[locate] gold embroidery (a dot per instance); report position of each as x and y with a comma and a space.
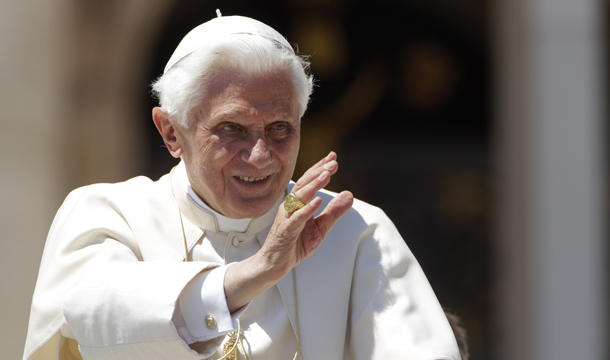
230, 347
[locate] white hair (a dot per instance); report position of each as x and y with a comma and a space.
184, 85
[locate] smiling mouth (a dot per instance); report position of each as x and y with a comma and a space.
251, 179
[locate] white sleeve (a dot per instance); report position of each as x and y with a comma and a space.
95, 295
122, 309
203, 297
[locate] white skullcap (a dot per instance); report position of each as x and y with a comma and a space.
220, 27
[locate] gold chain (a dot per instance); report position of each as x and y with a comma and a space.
230, 348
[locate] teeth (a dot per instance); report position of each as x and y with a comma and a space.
251, 179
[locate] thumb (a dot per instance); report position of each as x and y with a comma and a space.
335, 209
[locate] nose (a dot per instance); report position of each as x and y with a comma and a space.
258, 153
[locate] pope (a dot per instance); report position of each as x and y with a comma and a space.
225, 257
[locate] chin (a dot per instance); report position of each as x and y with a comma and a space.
254, 210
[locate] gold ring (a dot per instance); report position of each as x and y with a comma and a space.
292, 203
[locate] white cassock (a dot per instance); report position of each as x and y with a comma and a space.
113, 284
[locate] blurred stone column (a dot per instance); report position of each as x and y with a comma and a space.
70, 80
33, 64
550, 157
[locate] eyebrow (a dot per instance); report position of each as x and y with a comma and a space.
281, 113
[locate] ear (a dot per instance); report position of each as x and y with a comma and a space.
167, 129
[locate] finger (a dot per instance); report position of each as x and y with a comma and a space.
329, 163
314, 240
298, 218
335, 209
307, 192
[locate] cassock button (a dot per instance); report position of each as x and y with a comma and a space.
235, 241
210, 322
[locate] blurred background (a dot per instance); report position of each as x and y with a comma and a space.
479, 126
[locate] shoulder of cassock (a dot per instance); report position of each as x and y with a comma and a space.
139, 214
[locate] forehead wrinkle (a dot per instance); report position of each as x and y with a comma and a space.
231, 98
276, 109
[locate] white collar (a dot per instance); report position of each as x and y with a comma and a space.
206, 218
225, 224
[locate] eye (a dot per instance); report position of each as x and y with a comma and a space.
230, 127
278, 126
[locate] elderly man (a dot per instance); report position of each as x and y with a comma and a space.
224, 257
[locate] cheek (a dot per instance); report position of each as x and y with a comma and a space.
294, 146
208, 149
218, 159
229, 149
199, 154
288, 152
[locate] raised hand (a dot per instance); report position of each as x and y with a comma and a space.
292, 239
295, 236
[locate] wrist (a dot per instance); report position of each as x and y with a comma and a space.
247, 279
272, 266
